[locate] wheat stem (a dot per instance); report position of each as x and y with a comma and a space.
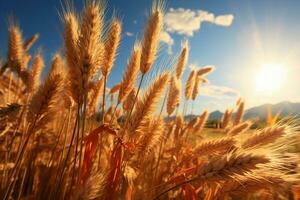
135, 99
103, 100
66, 159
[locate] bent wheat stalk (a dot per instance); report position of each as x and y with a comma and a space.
264, 137
223, 168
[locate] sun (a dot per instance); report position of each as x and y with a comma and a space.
270, 78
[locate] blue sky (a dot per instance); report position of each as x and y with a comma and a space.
238, 37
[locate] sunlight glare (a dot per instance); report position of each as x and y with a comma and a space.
270, 78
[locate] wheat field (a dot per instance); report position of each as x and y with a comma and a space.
67, 136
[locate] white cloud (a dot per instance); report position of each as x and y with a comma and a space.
187, 22
183, 21
129, 34
224, 20
166, 38
219, 91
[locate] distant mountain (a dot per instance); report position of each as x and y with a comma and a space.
260, 112
216, 115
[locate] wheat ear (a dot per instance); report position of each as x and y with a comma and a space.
130, 74
223, 168
36, 70
152, 134
44, 102
239, 113
190, 85
57, 66
89, 42
226, 118
205, 70
206, 148
238, 129
264, 137
71, 34
174, 95
197, 83
111, 46
115, 89
201, 123
151, 40
146, 106
182, 60
28, 44
129, 101
15, 49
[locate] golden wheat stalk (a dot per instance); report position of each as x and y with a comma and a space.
197, 84
224, 168
182, 60
174, 95
111, 45
44, 103
152, 134
198, 127
15, 49
149, 46
71, 34
17, 59
36, 70
205, 70
90, 58
239, 113
238, 129
130, 74
226, 118
190, 85
151, 40
147, 104
264, 137
207, 148
129, 101
89, 42
28, 44
41, 111
57, 65
115, 89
